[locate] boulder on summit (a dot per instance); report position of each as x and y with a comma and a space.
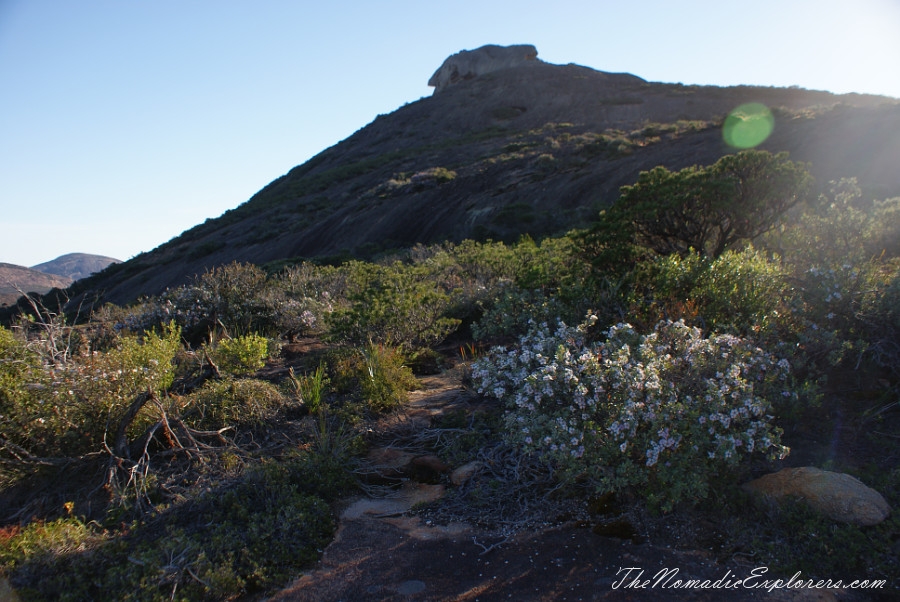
468, 64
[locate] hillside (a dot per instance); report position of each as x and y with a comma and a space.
534, 148
15, 279
75, 266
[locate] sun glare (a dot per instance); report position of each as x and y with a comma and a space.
748, 125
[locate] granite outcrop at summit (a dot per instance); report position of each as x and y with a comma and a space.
468, 64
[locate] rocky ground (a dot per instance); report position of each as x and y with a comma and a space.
396, 542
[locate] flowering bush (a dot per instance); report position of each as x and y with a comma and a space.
302, 316
665, 412
185, 306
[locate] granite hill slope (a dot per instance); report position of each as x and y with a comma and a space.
532, 148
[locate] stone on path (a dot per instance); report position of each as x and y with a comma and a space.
837, 495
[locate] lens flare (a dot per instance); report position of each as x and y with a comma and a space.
748, 125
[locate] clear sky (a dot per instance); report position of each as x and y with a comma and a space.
125, 122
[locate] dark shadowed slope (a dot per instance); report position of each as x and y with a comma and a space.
536, 149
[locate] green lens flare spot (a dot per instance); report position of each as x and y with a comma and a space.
748, 125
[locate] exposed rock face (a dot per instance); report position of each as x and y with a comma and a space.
467, 64
837, 495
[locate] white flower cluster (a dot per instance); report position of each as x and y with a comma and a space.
830, 290
186, 306
667, 402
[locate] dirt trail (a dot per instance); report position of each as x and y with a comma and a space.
384, 552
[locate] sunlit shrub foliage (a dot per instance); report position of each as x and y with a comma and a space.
393, 305
738, 292
67, 409
240, 355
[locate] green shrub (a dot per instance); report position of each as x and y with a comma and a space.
831, 232
878, 320
310, 388
232, 542
66, 409
704, 210
550, 283
39, 543
383, 377
883, 231
220, 403
513, 311
240, 355
19, 367
739, 292
392, 305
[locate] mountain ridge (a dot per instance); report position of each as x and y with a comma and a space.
533, 149
16, 280
75, 266
56, 273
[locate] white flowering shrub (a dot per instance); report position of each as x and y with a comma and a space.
664, 412
186, 306
302, 316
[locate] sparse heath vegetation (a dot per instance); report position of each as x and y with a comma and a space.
703, 325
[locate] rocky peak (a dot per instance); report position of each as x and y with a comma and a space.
468, 64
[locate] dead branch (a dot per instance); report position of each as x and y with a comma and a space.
121, 442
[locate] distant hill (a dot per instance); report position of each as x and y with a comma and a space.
15, 279
503, 151
75, 266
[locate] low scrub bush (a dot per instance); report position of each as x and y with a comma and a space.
664, 413
740, 292
65, 409
230, 401
513, 310
384, 378
234, 298
304, 298
372, 377
392, 305
879, 316
240, 355
238, 540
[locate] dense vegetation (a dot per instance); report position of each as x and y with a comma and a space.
660, 355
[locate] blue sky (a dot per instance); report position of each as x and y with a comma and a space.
125, 122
